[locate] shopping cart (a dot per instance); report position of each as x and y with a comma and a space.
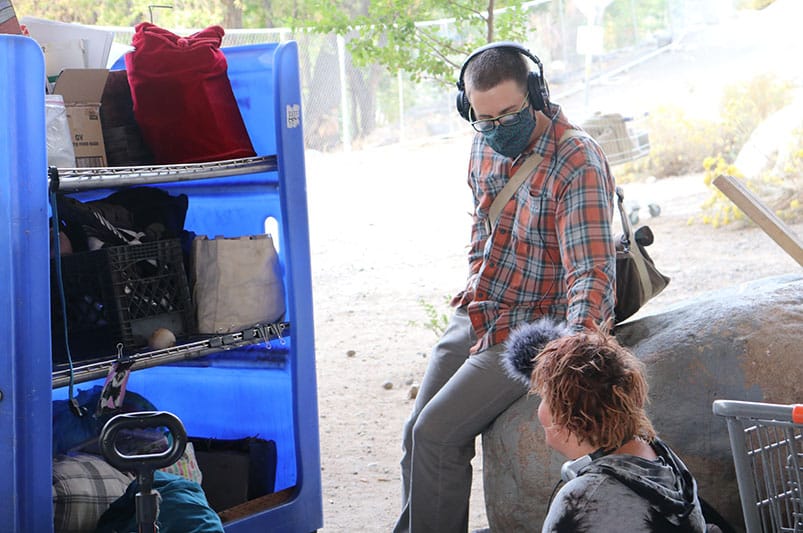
767, 445
623, 139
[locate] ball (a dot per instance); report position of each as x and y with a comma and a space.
162, 338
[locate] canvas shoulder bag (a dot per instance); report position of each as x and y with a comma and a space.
637, 278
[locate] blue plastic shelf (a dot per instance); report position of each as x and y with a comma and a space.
230, 396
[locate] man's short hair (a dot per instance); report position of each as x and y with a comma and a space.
595, 388
495, 65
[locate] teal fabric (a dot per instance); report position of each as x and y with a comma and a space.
183, 508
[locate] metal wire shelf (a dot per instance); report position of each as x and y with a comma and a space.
80, 179
189, 350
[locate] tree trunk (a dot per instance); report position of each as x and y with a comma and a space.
233, 16
490, 21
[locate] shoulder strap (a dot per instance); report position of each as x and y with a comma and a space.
511, 187
524, 171
629, 246
627, 229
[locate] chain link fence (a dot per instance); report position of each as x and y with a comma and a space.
348, 107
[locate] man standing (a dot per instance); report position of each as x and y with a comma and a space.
548, 252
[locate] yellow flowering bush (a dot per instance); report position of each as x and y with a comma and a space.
679, 143
782, 192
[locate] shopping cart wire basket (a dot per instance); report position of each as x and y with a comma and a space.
767, 446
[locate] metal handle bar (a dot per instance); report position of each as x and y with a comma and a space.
762, 411
143, 420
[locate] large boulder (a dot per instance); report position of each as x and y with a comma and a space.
740, 343
772, 144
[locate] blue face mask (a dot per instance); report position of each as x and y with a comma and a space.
511, 140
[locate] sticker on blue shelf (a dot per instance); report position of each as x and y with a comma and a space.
293, 116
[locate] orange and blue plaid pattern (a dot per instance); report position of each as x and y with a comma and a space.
552, 250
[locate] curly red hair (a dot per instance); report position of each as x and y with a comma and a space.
594, 388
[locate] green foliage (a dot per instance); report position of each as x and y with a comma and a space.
183, 14
718, 210
192, 14
679, 142
630, 23
743, 108
745, 105
388, 33
781, 190
437, 318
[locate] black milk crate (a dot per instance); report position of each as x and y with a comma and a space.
120, 294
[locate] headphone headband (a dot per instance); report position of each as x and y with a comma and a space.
536, 85
510, 45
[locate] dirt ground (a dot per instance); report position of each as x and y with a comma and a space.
389, 228
384, 239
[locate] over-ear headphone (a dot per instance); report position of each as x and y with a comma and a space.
536, 85
571, 469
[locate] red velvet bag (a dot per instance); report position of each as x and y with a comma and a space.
183, 102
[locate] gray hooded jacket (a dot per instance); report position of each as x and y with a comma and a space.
628, 493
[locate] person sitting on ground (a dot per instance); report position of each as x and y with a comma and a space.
620, 476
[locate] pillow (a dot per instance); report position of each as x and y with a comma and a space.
186, 466
84, 486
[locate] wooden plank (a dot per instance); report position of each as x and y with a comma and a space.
262, 503
761, 215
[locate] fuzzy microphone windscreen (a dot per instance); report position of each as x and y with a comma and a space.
525, 343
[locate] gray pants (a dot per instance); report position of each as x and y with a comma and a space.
459, 397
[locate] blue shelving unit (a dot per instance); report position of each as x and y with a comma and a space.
236, 393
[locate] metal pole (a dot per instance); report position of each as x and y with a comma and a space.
587, 99
563, 39
344, 100
400, 80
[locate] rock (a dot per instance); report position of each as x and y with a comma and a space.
412, 393
387, 385
351, 353
740, 343
769, 147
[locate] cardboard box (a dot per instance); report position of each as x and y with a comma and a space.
82, 90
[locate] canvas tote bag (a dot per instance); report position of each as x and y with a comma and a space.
237, 282
637, 278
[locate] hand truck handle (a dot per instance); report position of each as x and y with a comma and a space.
143, 420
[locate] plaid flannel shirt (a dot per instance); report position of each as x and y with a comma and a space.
552, 251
